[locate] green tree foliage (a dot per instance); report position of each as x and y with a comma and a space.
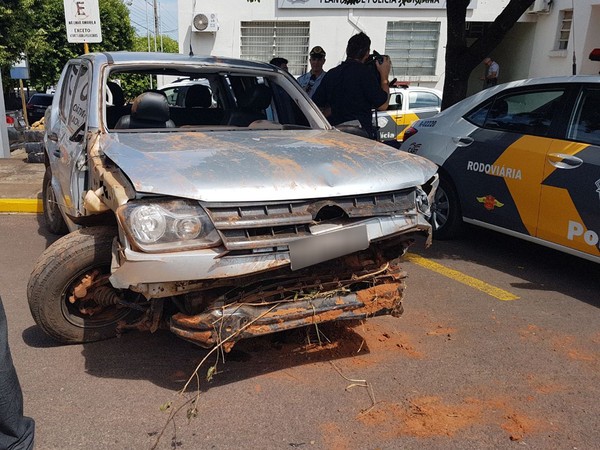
133, 84
14, 19
163, 44
47, 47
14, 29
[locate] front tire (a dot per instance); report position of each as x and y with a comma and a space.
447, 216
60, 269
53, 219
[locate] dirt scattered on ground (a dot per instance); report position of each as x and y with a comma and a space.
532, 331
568, 346
421, 417
431, 416
542, 385
440, 330
377, 343
518, 425
563, 344
333, 437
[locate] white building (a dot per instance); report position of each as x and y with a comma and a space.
543, 42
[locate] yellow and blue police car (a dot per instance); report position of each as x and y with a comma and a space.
407, 104
522, 158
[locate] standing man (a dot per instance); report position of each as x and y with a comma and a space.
16, 431
353, 89
492, 70
282, 63
310, 81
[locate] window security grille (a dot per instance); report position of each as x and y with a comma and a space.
412, 47
565, 29
264, 40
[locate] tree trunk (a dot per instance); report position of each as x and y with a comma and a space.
461, 60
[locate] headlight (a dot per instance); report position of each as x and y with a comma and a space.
425, 194
167, 225
422, 201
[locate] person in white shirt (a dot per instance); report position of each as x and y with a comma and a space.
310, 81
492, 71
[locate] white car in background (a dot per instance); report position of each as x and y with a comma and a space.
407, 104
177, 90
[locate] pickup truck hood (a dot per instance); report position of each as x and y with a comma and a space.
259, 165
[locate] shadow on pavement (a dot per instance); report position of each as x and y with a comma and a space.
541, 268
49, 237
168, 361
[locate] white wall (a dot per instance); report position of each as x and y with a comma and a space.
585, 35
527, 51
329, 28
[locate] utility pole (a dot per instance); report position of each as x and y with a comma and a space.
155, 24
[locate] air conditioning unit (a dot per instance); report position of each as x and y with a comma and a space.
205, 23
540, 7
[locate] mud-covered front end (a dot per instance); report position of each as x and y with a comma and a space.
237, 269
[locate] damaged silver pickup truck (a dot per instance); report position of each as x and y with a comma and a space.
234, 212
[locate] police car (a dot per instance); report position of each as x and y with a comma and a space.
522, 158
407, 104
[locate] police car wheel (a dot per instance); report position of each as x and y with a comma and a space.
446, 218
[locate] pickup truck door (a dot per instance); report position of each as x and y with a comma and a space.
66, 136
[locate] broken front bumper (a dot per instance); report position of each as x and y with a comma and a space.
351, 288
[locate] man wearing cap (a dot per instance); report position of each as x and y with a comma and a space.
310, 81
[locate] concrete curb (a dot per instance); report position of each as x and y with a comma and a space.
21, 205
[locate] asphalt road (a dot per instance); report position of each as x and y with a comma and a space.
498, 347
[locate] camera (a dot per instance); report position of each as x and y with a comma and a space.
375, 57
372, 60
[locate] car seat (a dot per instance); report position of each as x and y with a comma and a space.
251, 106
198, 108
149, 110
117, 108
198, 96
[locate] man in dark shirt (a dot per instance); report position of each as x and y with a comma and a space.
352, 90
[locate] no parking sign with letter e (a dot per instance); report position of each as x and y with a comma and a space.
82, 18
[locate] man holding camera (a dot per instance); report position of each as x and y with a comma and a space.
353, 89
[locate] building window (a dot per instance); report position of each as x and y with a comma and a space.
264, 40
565, 29
413, 47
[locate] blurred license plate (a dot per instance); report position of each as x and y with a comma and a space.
323, 247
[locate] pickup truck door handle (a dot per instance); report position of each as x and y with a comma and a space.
462, 141
564, 161
53, 136
56, 152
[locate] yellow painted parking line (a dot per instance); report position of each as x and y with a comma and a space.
482, 286
21, 205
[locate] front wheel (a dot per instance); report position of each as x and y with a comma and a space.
446, 217
69, 294
53, 219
